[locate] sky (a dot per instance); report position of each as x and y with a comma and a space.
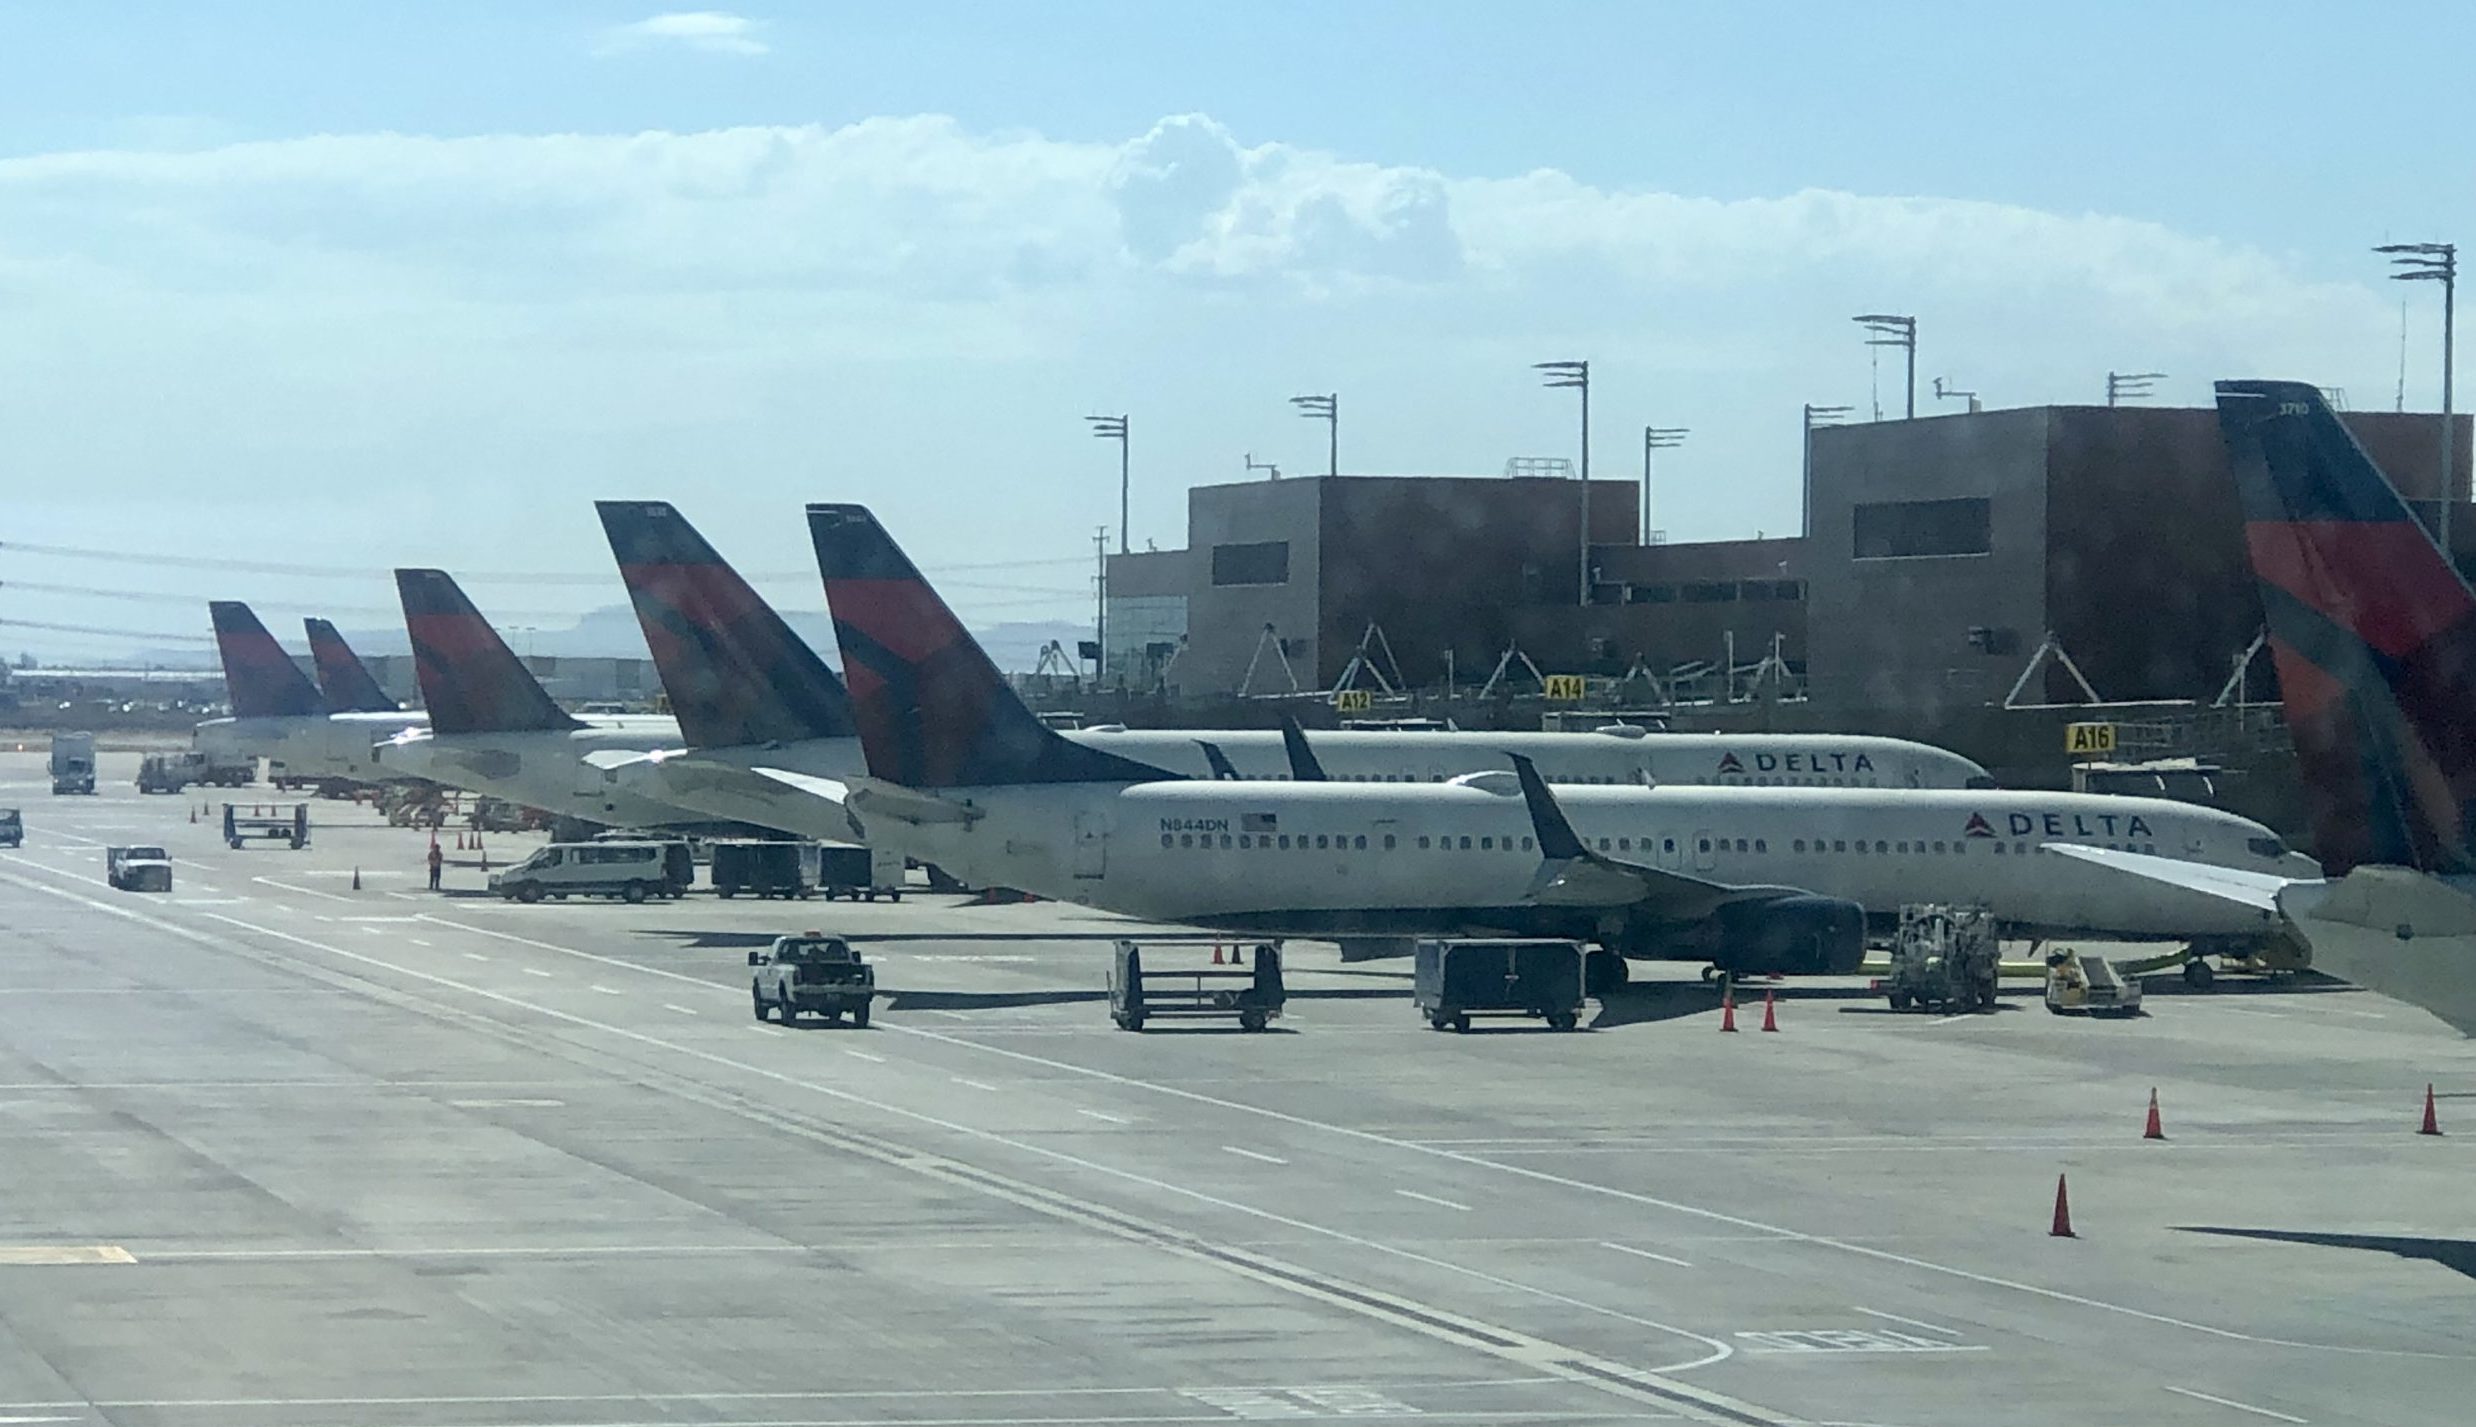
344, 287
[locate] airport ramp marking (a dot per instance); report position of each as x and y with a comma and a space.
1846, 1340
1244, 1153
304, 891
1431, 1199
1647, 1254
62, 1255
2231, 1402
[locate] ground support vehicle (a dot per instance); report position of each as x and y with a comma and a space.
138, 869
862, 874
1944, 959
811, 972
270, 821
631, 871
12, 828
1453, 980
2088, 985
1253, 994
73, 763
765, 869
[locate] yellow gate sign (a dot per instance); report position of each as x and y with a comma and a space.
1354, 700
2086, 738
1565, 688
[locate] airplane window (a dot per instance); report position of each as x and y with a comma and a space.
1465, 844
1703, 846
1388, 842
1321, 840
2266, 846
1225, 842
1761, 846
1244, 841
1624, 844
1998, 849
1359, 843
1285, 842
1166, 840
1797, 846
1740, 844
1422, 844
2149, 847
1904, 847
1861, 846
1186, 840
1667, 844
1487, 844
1525, 844
1938, 847
1880, 848
2021, 849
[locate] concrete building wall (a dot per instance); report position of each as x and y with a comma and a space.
1895, 631
1225, 622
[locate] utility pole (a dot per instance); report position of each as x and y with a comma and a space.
1814, 416
2436, 262
1327, 409
1577, 376
1656, 438
1113, 428
1100, 598
1890, 330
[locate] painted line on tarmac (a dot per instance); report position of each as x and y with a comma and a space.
864, 1055
1105, 1115
1245, 1153
724, 1395
1643, 1253
609, 990
304, 891
670, 1006
1911, 1322
1431, 1199
974, 1084
535, 971
2231, 1402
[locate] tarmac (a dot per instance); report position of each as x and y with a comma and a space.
276, 1152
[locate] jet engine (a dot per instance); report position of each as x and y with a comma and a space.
1793, 936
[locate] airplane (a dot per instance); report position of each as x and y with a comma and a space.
493, 729
279, 715
2374, 636
769, 737
344, 682
1747, 879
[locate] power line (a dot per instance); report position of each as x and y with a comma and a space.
111, 633
470, 577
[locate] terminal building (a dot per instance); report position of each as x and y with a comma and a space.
1947, 556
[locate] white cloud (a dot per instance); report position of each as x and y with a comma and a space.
914, 312
713, 31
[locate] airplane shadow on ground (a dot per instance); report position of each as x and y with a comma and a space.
2457, 1255
2296, 983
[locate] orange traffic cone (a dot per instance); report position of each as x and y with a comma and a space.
2063, 1213
356, 879
1237, 954
1216, 954
1727, 1010
1770, 1021
2432, 1123
2153, 1130
193, 812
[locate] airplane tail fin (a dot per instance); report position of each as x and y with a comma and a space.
260, 677
2373, 631
470, 680
342, 677
933, 712
735, 672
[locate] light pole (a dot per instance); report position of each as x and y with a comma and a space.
2435, 262
1656, 438
2130, 386
1894, 331
1326, 409
1577, 376
1814, 416
1113, 428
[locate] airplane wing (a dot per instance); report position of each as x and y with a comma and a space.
611, 759
1572, 875
2257, 891
2402, 933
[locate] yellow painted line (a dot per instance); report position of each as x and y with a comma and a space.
29, 1255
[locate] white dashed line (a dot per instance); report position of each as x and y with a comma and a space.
1647, 1254
683, 1010
609, 990
1912, 1322
1431, 1199
416, 941
974, 1084
535, 971
1103, 1115
2230, 1402
1252, 1154
864, 1055
475, 956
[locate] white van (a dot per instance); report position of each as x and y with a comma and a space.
631, 871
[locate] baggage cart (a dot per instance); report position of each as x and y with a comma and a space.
270, 821
1455, 980
1253, 994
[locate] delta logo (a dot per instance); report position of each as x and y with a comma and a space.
1730, 763
1978, 826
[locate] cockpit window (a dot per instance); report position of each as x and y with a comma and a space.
2266, 846
1980, 780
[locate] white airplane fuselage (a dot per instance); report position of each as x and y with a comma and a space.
308, 745
1307, 858
546, 769
724, 783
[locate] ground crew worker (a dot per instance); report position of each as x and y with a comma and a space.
435, 861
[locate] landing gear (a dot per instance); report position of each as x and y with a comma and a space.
1604, 971
2198, 974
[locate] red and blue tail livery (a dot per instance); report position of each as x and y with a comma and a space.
342, 678
735, 672
470, 680
932, 711
260, 677
2373, 631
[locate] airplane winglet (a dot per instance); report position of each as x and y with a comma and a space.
1557, 839
1304, 766
1222, 769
